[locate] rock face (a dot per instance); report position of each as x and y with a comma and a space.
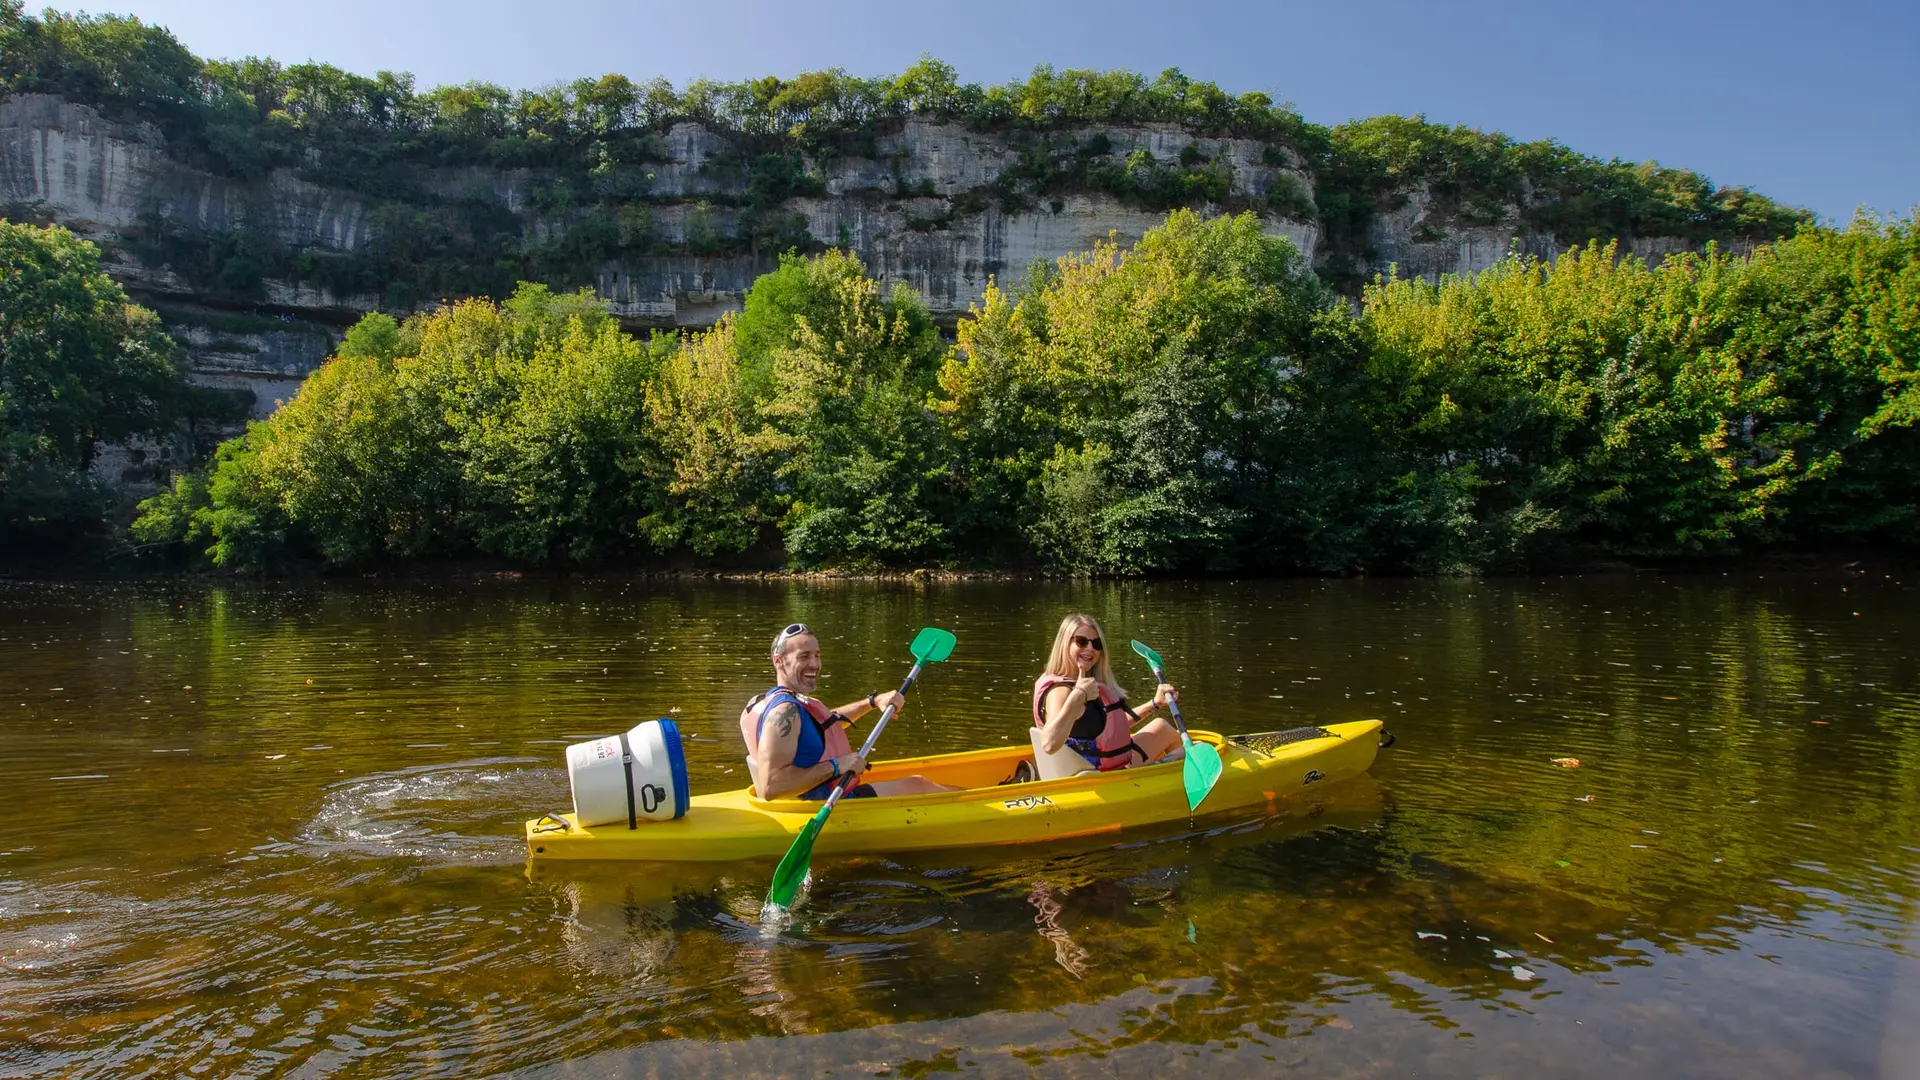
913, 211
100, 178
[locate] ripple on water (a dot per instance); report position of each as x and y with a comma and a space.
1742, 820
445, 812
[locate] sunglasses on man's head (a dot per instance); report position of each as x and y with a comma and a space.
792, 630
1087, 643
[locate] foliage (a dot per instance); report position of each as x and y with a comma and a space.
506, 429
849, 420
1480, 177
709, 481
1201, 402
79, 366
1141, 383
1707, 404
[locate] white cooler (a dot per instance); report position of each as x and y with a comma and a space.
637, 777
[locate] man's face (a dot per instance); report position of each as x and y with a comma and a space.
799, 663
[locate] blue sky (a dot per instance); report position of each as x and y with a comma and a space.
1815, 105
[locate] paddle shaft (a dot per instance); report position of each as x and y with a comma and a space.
1173, 706
846, 782
1201, 768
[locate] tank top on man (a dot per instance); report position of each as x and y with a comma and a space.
821, 736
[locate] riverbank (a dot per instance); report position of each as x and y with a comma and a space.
68, 568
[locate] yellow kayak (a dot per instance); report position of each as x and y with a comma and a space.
730, 825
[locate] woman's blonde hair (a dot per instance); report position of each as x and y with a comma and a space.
1060, 661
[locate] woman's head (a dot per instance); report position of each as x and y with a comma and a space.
1081, 646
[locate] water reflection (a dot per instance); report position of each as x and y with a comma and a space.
271, 830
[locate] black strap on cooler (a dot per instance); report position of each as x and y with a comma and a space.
626, 767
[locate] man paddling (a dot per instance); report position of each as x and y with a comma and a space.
796, 746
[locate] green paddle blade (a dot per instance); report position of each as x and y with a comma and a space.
931, 645
1200, 771
793, 866
1152, 658
1201, 768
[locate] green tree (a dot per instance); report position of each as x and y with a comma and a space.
710, 478
510, 429
79, 366
1133, 396
849, 418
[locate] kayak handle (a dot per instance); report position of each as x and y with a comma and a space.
558, 824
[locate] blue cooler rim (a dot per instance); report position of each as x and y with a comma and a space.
677, 757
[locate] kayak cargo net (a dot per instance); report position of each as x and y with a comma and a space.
1267, 742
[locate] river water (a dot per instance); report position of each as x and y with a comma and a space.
274, 830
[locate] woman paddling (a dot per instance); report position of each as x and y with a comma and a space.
1077, 705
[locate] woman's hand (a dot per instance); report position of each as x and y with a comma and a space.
1087, 687
1164, 695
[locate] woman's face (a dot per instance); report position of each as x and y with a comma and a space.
1085, 646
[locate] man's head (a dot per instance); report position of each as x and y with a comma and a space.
796, 658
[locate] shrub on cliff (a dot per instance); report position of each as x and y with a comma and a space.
594, 144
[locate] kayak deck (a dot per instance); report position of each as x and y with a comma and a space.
730, 825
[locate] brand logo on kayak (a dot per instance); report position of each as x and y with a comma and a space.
1029, 802
1314, 776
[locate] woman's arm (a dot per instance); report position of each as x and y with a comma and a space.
1064, 703
1162, 694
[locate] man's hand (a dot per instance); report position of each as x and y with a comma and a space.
891, 697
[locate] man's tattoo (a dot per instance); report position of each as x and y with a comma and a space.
785, 715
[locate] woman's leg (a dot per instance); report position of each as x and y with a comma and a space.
1156, 738
911, 785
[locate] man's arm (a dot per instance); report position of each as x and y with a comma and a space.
881, 699
779, 738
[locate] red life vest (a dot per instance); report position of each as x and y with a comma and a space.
1113, 739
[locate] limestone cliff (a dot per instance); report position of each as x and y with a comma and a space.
928, 206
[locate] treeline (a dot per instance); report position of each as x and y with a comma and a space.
1201, 402
594, 140
80, 367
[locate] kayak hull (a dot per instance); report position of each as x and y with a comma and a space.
734, 825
